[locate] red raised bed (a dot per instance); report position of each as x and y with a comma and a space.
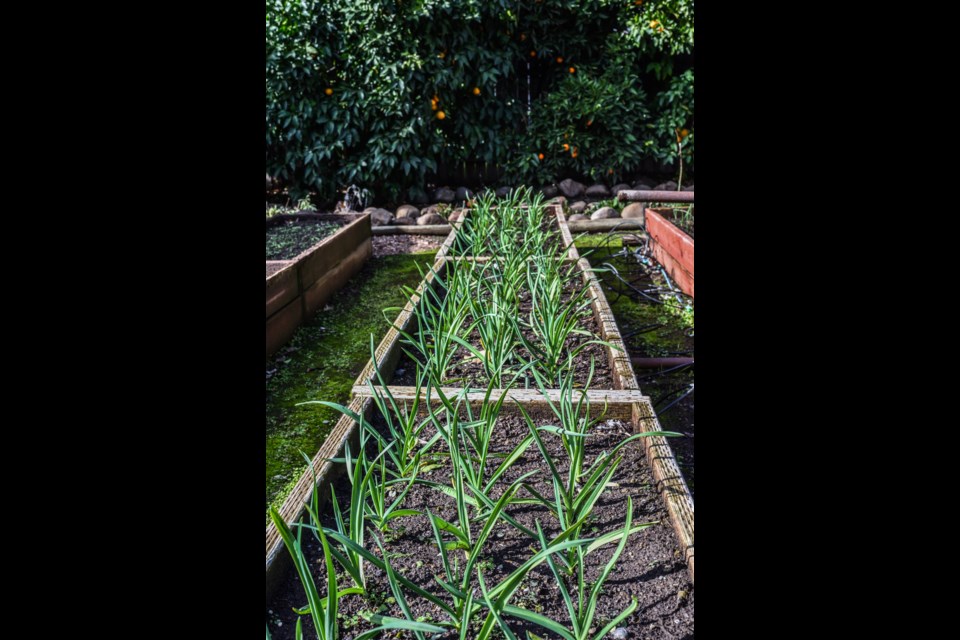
672, 248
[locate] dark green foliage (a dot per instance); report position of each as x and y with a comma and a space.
383, 61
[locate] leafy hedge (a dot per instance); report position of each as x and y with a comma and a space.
378, 93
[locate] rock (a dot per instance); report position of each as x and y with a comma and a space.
431, 218
405, 220
431, 209
571, 188
444, 194
689, 187
578, 206
666, 186
604, 213
379, 217
407, 211
617, 188
549, 191
464, 194
597, 191
634, 211
577, 216
503, 192
643, 185
620, 633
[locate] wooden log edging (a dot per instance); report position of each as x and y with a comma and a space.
613, 404
599, 226
305, 283
418, 229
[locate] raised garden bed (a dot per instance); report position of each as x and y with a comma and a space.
671, 247
620, 400
298, 286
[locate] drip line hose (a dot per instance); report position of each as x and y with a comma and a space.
665, 371
660, 412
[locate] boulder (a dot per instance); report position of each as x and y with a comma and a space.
577, 216
407, 211
643, 185
597, 191
431, 209
549, 191
444, 194
379, 217
617, 188
431, 218
571, 188
666, 186
578, 206
689, 187
405, 220
503, 192
604, 213
634, 211
464, 194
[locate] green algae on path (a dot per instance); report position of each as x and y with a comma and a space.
321, 362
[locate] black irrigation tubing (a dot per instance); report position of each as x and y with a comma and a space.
670, 406
667, 395
665, 371
644, 329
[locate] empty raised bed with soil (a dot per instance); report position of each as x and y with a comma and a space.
297, 286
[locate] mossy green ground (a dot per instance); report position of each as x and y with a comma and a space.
632, 313
321, 362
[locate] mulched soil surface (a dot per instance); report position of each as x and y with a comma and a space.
651, 568
389, 245
290, 238
467, 371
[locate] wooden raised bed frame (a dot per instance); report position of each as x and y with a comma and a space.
301, 285
672, 248
624, 401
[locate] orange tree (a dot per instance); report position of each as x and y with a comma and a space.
378, 93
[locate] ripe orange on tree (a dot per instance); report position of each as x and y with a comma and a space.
540, 155
328, 91
684, 133
441, 115
476, 91
559, 60
573, 154
572, 70
533, 54
566, 147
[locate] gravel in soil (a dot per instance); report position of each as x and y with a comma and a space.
290, 238
651, 569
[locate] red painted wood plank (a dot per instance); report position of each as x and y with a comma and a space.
673, 249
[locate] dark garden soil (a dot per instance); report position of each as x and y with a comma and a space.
467, 371
272, 268
395, 244
651, 569
290, 238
